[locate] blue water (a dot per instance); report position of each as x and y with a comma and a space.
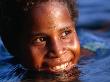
96, 67
93, 11
93, 17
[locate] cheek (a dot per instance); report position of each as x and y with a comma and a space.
37, 50
69, 41
37, 55
73, 44
74, 48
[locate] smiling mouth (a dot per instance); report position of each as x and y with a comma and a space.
62, 67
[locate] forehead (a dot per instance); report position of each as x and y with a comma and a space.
51, 15
50, 7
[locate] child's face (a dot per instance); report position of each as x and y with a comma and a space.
53, 45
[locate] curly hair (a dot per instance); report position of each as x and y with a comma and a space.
15, 12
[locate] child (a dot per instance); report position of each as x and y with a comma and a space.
41, 35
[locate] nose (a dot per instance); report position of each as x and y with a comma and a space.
55, 48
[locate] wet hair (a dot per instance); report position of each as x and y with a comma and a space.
13, 15
71, 5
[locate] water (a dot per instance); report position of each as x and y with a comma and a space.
96, 67
94, 34
93, 12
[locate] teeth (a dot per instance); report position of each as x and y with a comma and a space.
57, 67
60, 67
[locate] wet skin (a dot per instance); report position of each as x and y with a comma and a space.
52, 44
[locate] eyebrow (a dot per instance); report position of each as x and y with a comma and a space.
59, 30
37, 34
65, 28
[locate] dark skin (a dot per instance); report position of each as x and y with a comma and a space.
52, 44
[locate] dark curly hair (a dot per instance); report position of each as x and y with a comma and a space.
15, 12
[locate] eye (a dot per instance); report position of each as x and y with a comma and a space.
65, 34
39, 40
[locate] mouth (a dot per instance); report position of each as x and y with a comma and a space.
58, 65
61, 68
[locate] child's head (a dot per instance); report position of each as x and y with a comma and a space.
43, 35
